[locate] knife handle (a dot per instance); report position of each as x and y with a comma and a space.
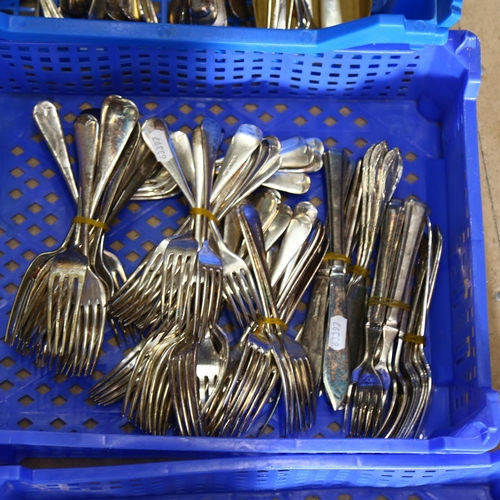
387, 256
416, 213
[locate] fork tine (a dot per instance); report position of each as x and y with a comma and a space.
100, 326
192, 392
249, 385
156, 390
372, 404
309, 399
353, 399
234, 298
180, 409
217, 418
301, 392
229, 296
53, 319
253, 396
377, 416
147, 401
361, 404
253, 414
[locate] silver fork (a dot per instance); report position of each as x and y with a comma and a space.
207, 294
150, 285
47, 119
290, 357
414, 353
68, 270
366, 387
238, 284
92, 316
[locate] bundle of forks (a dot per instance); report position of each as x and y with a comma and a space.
59, 312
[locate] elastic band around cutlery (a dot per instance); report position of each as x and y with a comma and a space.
272, 321
205, 213
414, 339
337, 256
91, 222
361, 271
386, 301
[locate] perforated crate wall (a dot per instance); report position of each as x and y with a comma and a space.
298, 478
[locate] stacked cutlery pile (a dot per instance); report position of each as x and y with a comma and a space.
243, 250
371, 358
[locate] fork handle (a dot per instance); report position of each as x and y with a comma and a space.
388, 251
252, 232
86, 138
416, 213
206, 140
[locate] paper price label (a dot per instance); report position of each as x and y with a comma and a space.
161, 147
337, 333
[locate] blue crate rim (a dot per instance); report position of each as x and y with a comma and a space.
377, 29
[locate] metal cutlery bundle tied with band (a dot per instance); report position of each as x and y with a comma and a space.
245, 252
286, 14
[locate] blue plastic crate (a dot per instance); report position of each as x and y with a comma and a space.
420, 100
375, 477
416, 22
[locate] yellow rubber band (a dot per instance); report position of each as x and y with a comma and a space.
91, 222
385, 301
361, 271
206, 213
414, 339
337, 256
273, 321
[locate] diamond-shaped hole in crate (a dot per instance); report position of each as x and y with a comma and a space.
58, 423
90, 423
76, 389
48, 173
15, 193
12, 265
17, 172
33, 162
25, 423
360, 143
35, 208
26, 400
7, 362
411, 157
50, 219
43, 389
52, 197
335, 427
23, 374
59, 401
19, 218
345, 111
6, 385
32, 183
29, 255
411, 178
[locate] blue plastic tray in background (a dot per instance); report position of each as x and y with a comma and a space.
375, 477
420, 100
415, 22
